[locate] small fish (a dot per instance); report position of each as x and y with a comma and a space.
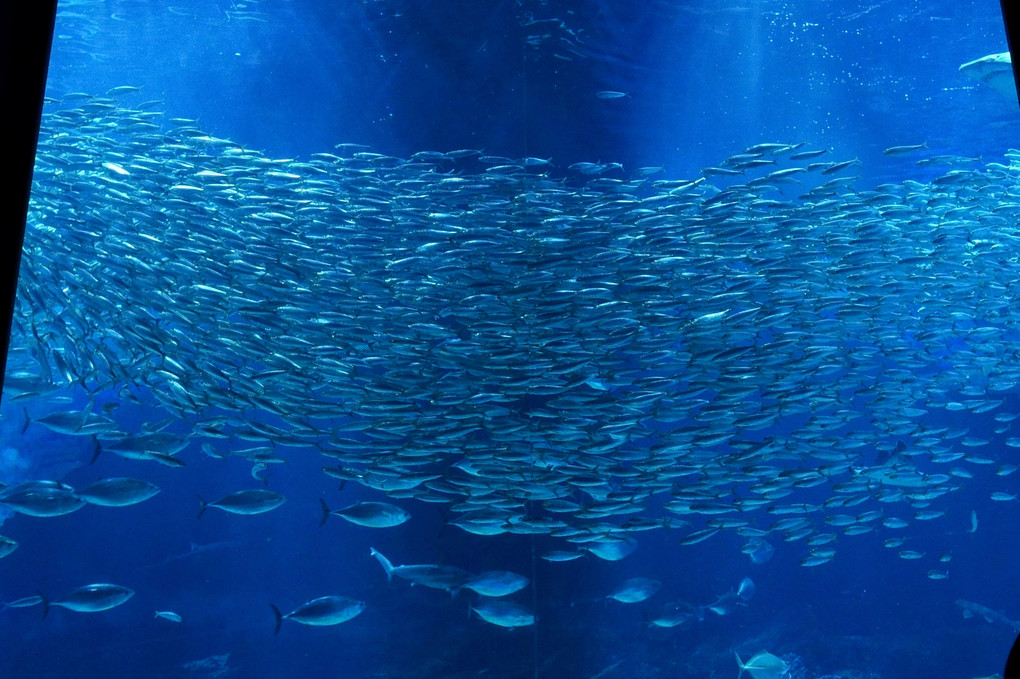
321, 612
611, 94
805, 155
121, 89
26, 602
746, 589
168, 615
114, 167
903, 150
812, 561
911, 554
758, 550
561, 555
7, 546
836, 167
613, 549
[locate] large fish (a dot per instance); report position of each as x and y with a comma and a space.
118, 492
994, 70
324, 611
496, 583
247, 502
91, 598
504, 613
369, 514
635, 590
435, 576
41, 498
971, 609
762, 665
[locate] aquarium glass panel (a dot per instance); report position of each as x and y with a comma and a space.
509, 339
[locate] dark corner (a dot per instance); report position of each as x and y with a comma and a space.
1011, 19
26, 31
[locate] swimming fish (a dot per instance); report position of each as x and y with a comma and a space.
118, 492
994, 70
635, 590
504, 613
435, 576
324, 611
369, 514
7, 546
245, 502
91, 598
971, 609
762, 665
41, 498
170, 616
496, 583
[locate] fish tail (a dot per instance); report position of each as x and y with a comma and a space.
45, 605
325, 512
28, 420
205, 505
740, 664
96, 449
384, 562
279, 618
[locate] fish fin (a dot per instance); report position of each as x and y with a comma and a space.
201, 510
325, 512
384, 562
279, 619
86, 411
28, 420
96, 448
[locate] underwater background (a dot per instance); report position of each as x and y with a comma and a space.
589, 104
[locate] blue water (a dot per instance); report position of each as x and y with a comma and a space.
701, 82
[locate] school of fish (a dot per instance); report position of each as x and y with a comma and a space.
574, 352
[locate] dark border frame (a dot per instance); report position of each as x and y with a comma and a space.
26, 33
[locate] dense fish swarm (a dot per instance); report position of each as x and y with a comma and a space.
583, 356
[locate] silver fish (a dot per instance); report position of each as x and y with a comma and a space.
324, 611
91, 598
496, 583
369, 514
118, 492
428, 575
504, 613
247, 502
